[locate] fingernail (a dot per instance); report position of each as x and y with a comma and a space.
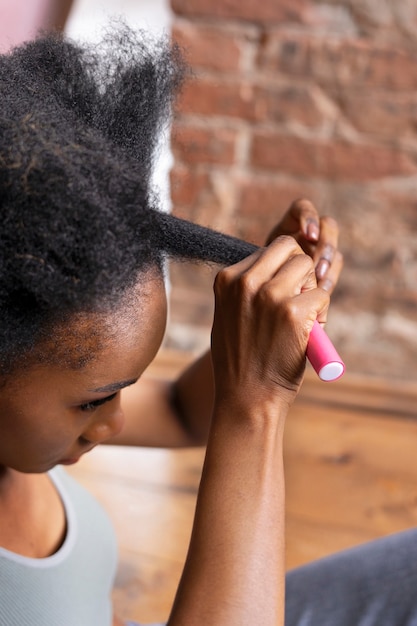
321, 269
326, 284
328, 253
312, 230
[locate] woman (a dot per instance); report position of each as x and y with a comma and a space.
83, 311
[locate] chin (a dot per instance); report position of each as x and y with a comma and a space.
41, 468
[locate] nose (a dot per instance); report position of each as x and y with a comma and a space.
108, 423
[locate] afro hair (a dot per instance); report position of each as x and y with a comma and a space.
79, 126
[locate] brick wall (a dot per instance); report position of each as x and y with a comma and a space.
305, 98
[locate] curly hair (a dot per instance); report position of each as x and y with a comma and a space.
79, 221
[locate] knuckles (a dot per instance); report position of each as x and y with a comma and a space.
306, 263
253, 280
288, 242
224, 279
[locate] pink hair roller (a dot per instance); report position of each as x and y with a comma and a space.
323, 356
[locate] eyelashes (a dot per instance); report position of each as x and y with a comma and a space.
94, 404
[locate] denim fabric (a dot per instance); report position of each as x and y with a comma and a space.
374, 584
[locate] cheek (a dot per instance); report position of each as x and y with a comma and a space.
31, 441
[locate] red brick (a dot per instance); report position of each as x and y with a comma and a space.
212, 203
386, 114
253, 10
210, 215
403, 201
336, 160
343, 62
266, 197
204, 145
187, 185
292, 103
211, 48
262, 201
246, 101
211, 97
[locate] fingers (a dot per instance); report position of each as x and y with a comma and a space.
275, 274
321, 237
305, 214
318, 237
301, 218
330, 276
327, 258
265, 308
296, 276
324, 260
261, 266
296, 296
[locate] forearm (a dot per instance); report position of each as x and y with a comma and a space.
234, 572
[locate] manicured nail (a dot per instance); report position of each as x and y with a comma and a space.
321, 269
326, 284
312, 230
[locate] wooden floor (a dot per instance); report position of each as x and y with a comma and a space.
351, 474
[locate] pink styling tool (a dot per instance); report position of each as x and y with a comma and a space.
323, 356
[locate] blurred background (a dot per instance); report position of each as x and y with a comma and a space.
316, 99
290, 98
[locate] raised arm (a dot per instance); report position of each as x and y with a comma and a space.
178, 413
265, 308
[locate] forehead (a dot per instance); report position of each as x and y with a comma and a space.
135, 318
136, 324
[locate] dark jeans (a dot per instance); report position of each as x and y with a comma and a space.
370, 585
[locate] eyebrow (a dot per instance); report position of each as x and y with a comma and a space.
112, 387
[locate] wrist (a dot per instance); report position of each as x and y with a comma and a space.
262, 416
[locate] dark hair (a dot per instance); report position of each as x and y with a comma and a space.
78, 130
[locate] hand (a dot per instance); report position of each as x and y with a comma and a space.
318, 237
265, 309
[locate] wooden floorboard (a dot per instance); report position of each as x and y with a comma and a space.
350, 459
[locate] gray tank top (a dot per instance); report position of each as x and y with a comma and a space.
73, 586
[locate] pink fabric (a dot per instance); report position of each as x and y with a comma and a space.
20, 20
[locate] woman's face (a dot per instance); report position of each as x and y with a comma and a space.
52, 415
